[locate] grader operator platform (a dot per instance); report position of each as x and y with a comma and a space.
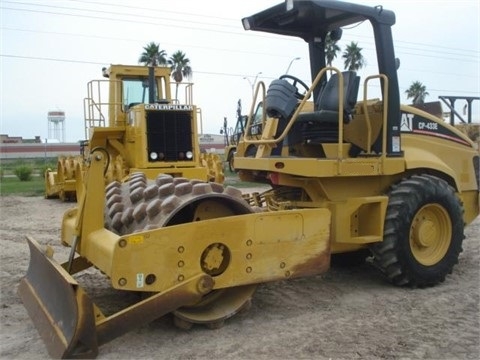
132, 116
349, 176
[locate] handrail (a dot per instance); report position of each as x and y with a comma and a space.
94, 108
188, 92
299, 109
384, 115
89, 110
90, 119
367, 116
199, 118
248, 125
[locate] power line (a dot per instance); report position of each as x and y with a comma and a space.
238, 50
103, 63
103, 37
417, 52
423, 45
110, 13
53, 59
128, 20
152, 9
436, 46
425, 53
196, 72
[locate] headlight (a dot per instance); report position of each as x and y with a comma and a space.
289, 5
189, 155
246, 24
153, 155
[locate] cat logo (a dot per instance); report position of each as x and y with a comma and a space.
406, 123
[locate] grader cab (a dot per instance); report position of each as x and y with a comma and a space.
349, 176
132, 116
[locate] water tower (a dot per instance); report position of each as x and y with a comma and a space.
56, 129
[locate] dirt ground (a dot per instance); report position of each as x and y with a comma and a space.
347, 313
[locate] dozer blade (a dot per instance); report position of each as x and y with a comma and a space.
65, 317
59, 308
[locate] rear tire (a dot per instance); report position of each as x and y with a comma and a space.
423, 232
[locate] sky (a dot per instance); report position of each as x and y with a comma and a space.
50, 49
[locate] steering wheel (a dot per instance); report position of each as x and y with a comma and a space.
296, 81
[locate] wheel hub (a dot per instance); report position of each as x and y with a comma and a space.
425, 233
215, 259
430, 234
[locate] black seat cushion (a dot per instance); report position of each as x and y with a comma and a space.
322, 124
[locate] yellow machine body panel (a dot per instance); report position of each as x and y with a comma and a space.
249, 249
254, 247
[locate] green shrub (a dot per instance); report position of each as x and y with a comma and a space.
24, 172
1, 173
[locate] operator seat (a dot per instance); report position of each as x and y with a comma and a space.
321, 126
280, 103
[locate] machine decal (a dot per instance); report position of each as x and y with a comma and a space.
168, 107
140, 281
135, 239
395, 143
419, 125
406, 122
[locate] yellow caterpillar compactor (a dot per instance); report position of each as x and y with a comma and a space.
349, 176
141, 127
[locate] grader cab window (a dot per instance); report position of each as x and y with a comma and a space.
256, 128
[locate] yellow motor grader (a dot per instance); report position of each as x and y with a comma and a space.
141, 127
233, 135
349, 176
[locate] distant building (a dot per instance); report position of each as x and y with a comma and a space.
17, 147
211, 143
5, 139
433, 107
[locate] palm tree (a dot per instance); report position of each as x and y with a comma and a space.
152, 55
180, 66
417, 91
353, 58
331, 49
